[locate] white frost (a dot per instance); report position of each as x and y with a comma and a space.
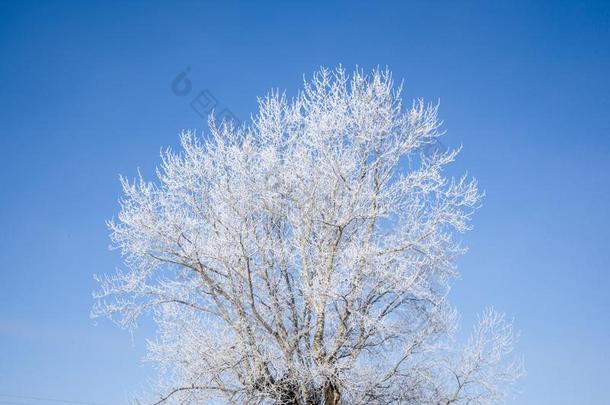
307, 258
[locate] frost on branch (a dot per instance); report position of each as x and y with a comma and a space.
306, 258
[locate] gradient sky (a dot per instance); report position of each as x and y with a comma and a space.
85, 94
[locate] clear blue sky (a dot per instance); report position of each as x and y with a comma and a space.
85, 94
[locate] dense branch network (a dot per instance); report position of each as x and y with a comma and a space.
306, 258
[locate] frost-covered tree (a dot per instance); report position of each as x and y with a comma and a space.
306, 258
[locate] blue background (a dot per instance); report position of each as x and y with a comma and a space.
85, 94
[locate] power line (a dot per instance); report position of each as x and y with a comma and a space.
57, 400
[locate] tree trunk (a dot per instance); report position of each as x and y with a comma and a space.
332, 396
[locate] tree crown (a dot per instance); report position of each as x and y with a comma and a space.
306, 257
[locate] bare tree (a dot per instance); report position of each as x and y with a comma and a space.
306, 258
